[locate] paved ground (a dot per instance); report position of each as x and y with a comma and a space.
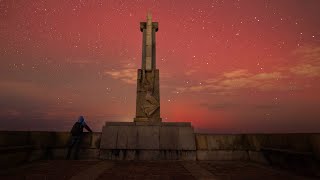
164, 170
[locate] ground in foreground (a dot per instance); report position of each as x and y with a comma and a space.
164, 170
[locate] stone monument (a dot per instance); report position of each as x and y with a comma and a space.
147, 137
148, 94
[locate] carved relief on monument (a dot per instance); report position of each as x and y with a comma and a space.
150, 103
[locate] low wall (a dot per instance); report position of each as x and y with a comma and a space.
17, 147
253, 146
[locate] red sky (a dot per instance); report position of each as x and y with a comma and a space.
228, 66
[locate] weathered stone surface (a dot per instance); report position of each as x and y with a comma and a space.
169, 137
119, 124
122, 137
197, 171
188, 155
186, 139
170, 154
62, 139
179, 124
178, 136
109, 137
148, 88
258, 157
148, 123
42, 139
95, 142
148, 137
132, 141
222, 155
256, 142
201, 141
315, 139
14, 138
148, 154
93, 172
226, 142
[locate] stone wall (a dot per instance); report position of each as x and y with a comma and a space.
17, 147
148, 141
253, 146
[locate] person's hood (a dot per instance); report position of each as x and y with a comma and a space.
81, 119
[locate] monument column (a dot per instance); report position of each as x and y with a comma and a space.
148, 93
148, 138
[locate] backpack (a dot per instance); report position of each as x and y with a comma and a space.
76, 129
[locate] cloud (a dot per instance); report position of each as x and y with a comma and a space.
229, 82
190, 72
128, 76
236, 74
309, 66
307, 70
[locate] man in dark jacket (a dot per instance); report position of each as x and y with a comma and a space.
76, 136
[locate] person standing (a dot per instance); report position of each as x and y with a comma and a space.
76, 136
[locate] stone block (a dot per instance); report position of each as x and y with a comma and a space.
148, 137
201, 141
14, 138
130, 155
186, 139
188, 155
42, 139
132, 141
257, 157
109, 137
147, 155
227, 142
169, 154
119, 124
37, 154
96, 138
222, 155
315, 140
169, 138
147, 123
117, 154
256, 142
178, 124
122, 137
61, 139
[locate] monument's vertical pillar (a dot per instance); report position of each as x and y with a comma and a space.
147, 138
148, 93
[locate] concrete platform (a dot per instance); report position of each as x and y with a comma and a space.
148, 141
164, 170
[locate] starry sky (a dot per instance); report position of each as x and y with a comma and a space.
227, 66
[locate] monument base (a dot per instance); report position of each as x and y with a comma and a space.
148, 141
147, 120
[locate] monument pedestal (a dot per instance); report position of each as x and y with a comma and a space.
148, 141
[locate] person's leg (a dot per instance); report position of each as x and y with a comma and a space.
70, 145
77, 147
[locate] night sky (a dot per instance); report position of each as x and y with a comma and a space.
228, 66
